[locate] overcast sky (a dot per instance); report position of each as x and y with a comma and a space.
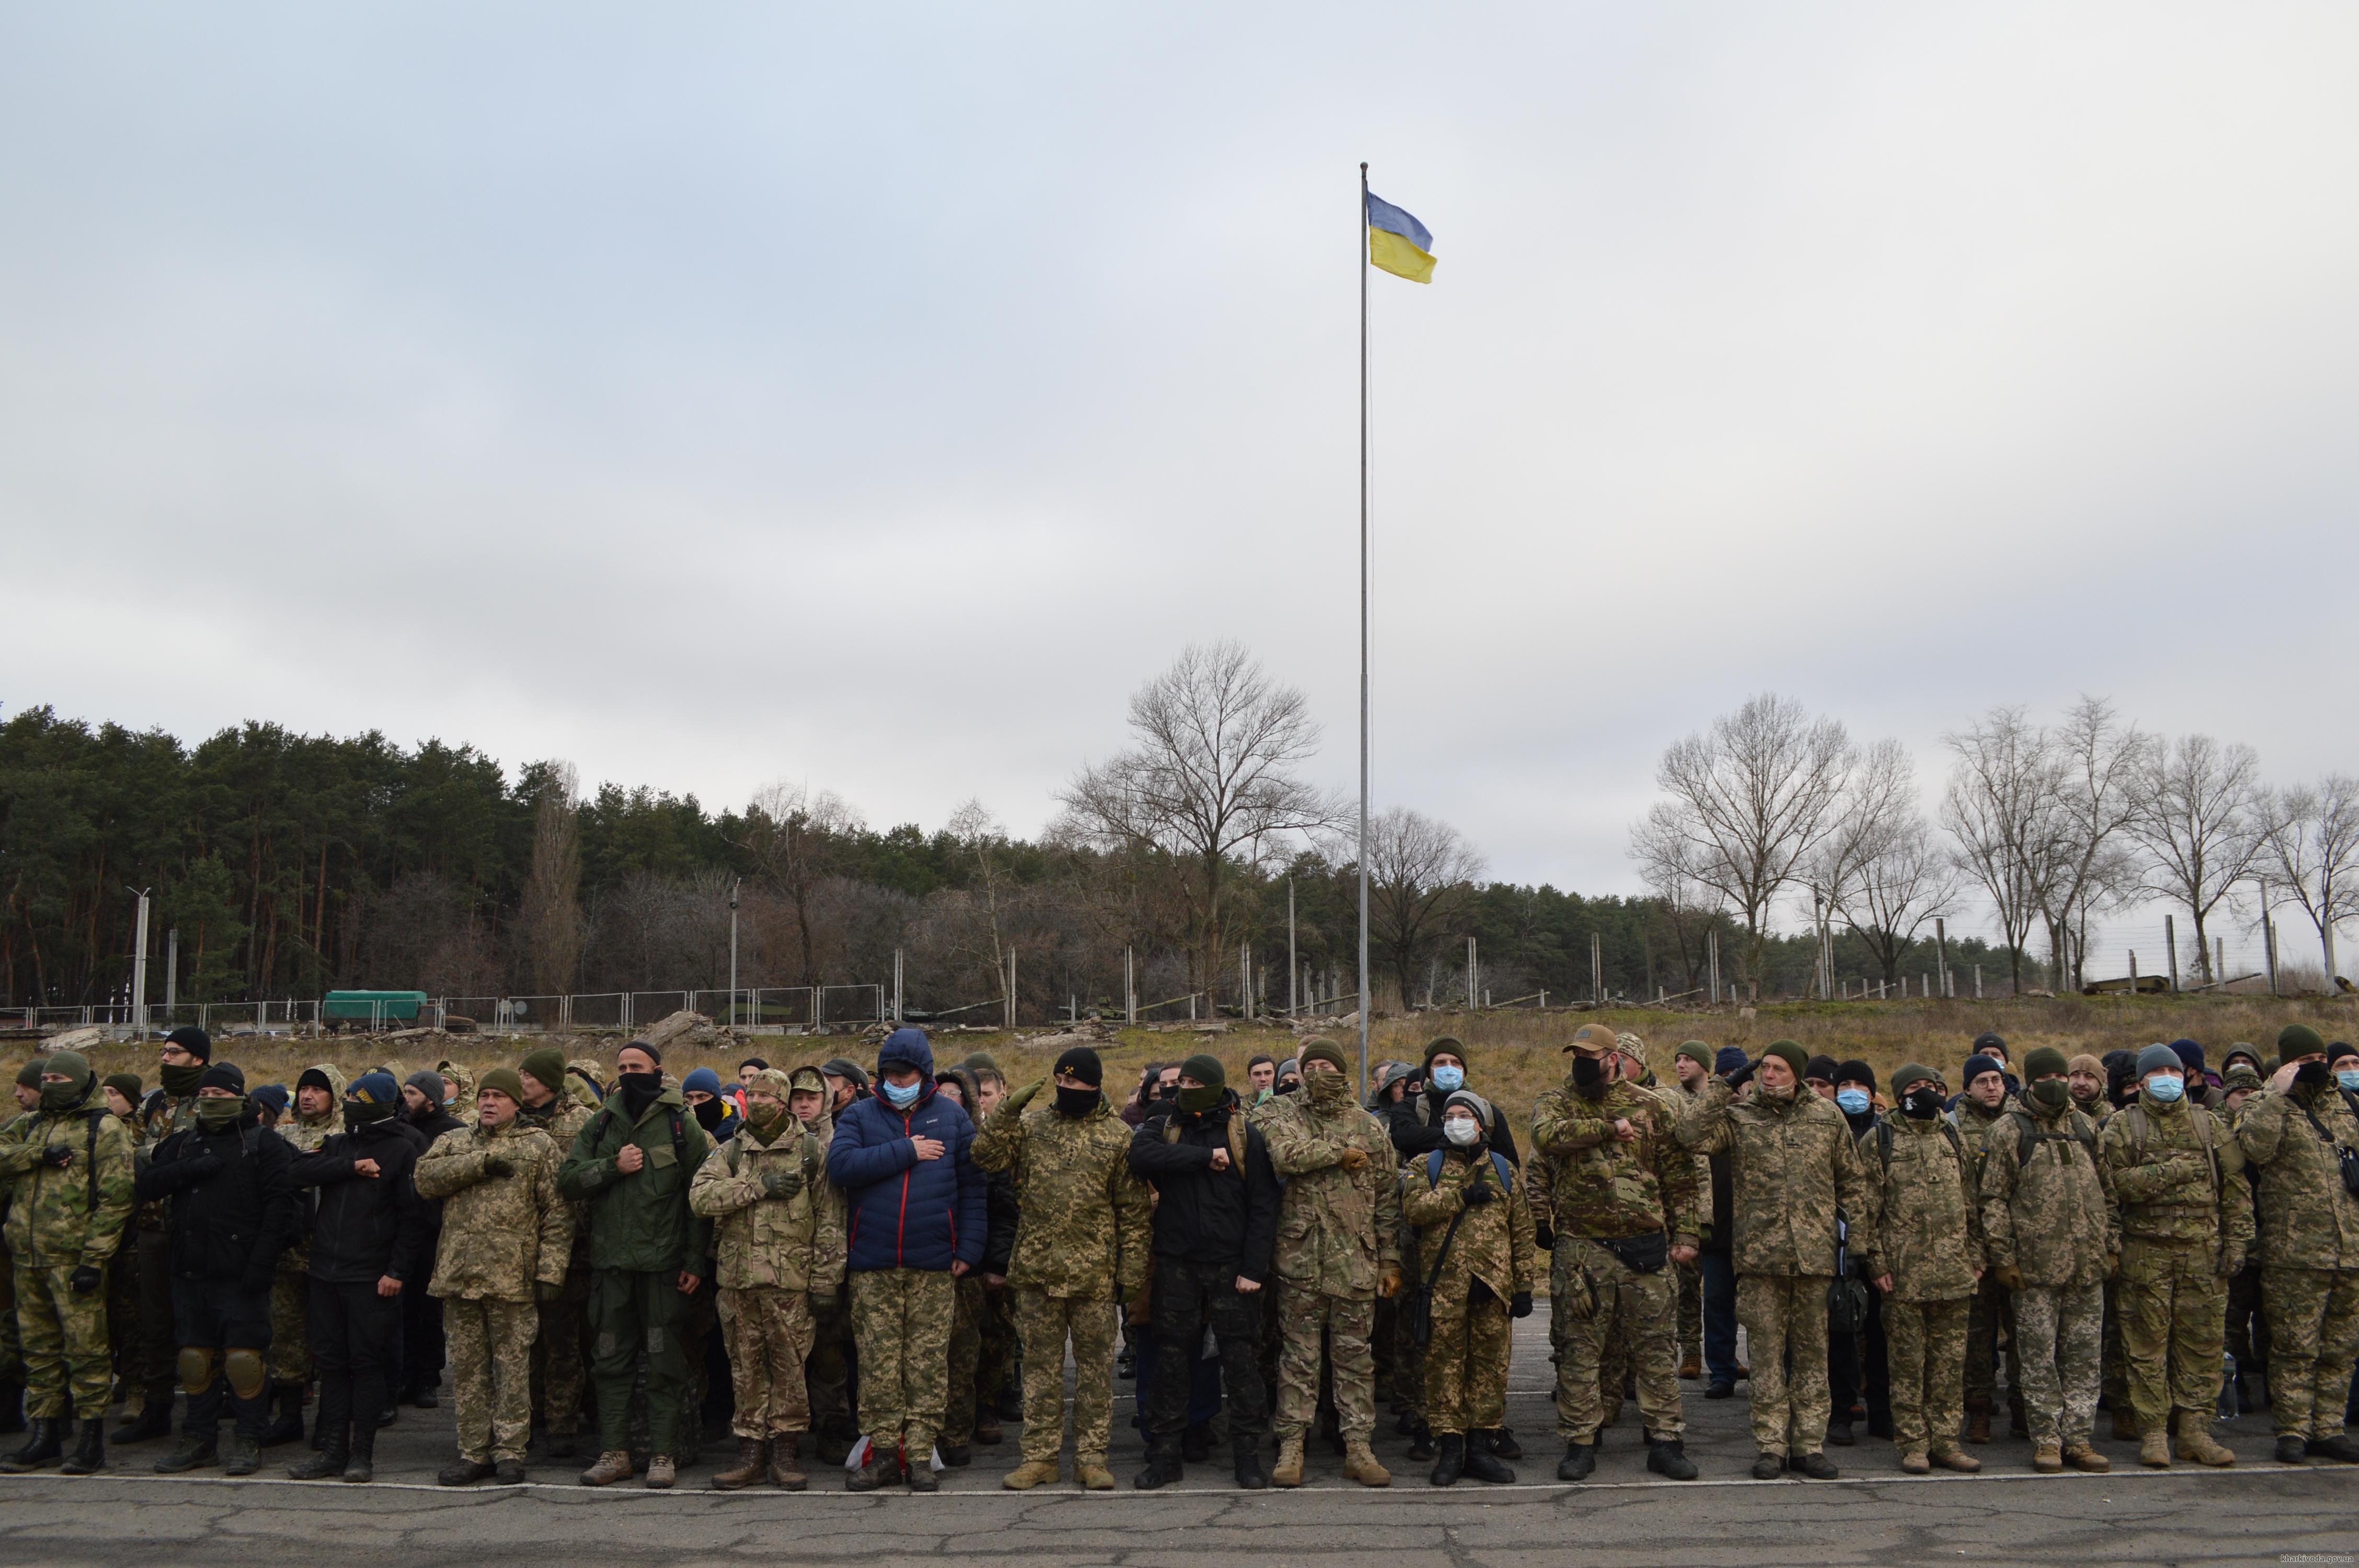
873, 397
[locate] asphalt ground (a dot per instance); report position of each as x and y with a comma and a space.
2257, 1512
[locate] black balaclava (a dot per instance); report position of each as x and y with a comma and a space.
639, 1089
709, 1113
1589, 1077
1084, 1063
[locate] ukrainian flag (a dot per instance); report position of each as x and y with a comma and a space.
1399, 243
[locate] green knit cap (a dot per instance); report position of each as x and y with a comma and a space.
1319, 1050
2296, 1040
547, 1066
28, 1077
1792, 1054
1909, 1073
2041, 1061
1205, 1070
1695, 1051
504, 1081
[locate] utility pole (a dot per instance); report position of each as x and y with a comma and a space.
896, 986
734, 888
139, 967
1470, 974
171, 970
1941, 952
1293, 968
1596, 969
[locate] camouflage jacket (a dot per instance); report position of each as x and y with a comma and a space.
2053, 1215
1973, 1124
304, 1135
1921, 1209
160, 1115
1085, 1224
1493, 1243
760, 1242
1792, 1165
68, 1218
2177, 1183
2308, 1218
1338, 1230
501, 1234
1603, 1188
562, 1119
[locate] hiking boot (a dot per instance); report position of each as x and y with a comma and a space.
154, 1421
1768, 1467
1251, 1477
612, 1465
1030, 1473
786, 1462
1839, 1433
326, 1464
1359, 1465
2081, 1456
508, 1472
753, 1464
1484, 1465
1092, 1474
1951, 1457
883, 1469
1163, 1467
88, 1456
2339, 1447
2048, 1456
2196, 1442
2292, 1450
661, 1472
45, 1441
921, 1478
1450, 1462
1502, 1442
2154, 1449
1667, 1457
1691, 1367
1288, 1471
465, 1472
1915, 1463
240, 1455
1579, 1459
195, 1453
1817, 1466
1977, 1421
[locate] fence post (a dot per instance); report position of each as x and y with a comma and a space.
1129, 987
2170, 951
2133, 971
897, 992
1010, 1021
1596, 969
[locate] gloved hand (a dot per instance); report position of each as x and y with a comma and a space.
1388, 1284
1742, 1076
782, 1183
1354, 1157
57, 1156
2188, 1166
1545, 1235
1521, 1305
548, 1290
2231, 1262
2008, 1275
1022, 1096
498, 1165
86, 1279
203, 1167
1479, 1192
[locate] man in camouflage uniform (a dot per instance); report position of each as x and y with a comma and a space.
2295, 1135
183, 1056
559, 1371
2187, 1223
506, 1234
1625, 1206
2052, 1236
1926, 1216
1083, 1243
319, 1116
1794, 1167
1338, 1250
11, 1349
1991, 1317
2247, 1329
827, 1371
1693, 1064
68, 1168
778, 1242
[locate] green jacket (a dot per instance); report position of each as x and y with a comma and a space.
1792, 1165
52, 1219
1601, 1188
2179, 1174
772, 1243
2308, 1218
642, 1222
1085, 1226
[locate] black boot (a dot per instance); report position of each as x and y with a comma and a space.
361, 1463
1451, 1463
1420, 1444
1502, 1442
1579, 1459
88, 1456
335, 1450
154, 1420
46, 1441
1667, 1457
1484, 1465
1163, 1466
1250, 1473
289, 1426
193, 1453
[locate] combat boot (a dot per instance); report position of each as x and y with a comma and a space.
508, 1472
2154, 1449
1484, 1465
753, 1464
2081, 1456
1978, 1420
1359, 1465
12, 1405
1030, 1473
921, 1477
191, 1454
1768, 1466
883, 1469
2196, 1443
1691, 1367
1163, 1467
661, 1472
359, 1465
1092, 1474
1667, 1457
1915, 1463
1817, 1466
1950, 1456
88, 1456
2339, 1447
466, 1472
325, 1465
2292, 1450
2048, 1456
1247, 1455
1450, 1462
288, 1425
47, 1441
786, 1462
612, 1465
1288, 1471
1421, 1443
240, 1455
2125, 1426
1579, 1459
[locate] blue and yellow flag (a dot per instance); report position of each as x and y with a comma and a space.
1399, 243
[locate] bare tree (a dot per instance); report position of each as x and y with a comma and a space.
2083, 866
1880, 870
1208, 779
1997, 807
798, 840
1420, 876
979, 835
1751, 802
550, 912
2199, 823
2313, 846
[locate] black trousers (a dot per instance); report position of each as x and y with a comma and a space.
1859, 1373
223, 1314
354, 1338
1187, 1296
422, 1350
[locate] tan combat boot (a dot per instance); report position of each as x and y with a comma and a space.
2154, 1449
660, 1472
612, 1465
1092, 1474
1359, 1465
1978, 1420
1030, 1473
2081, 1456
1915, 1463
1950, 1456
1289, 1469
2048, 1456
786, 1462
2196, 1443
753, 1464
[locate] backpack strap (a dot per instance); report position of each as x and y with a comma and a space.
1884, 1141
1237, 1140
1433, 1170
1506, 1174
89, 1154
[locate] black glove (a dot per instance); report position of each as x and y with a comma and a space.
57, 1156
86, 1280
1742, 1076
1521, 1305
1479, 1192
783, 1183
498, 1165
203, 1167
1546, 1236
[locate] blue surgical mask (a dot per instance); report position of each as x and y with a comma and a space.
2349, 1079
2164, 1087
1853, 1101
904, 1096
1449, 1080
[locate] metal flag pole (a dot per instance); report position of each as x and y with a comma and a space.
1361, 242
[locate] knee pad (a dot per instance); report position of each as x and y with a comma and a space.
196, 1367
247, 1377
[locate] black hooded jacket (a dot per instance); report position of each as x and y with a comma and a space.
232, 1195
1228, 1218
368, 1227
1415, 1126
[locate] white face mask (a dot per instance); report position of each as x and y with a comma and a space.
1462, 1131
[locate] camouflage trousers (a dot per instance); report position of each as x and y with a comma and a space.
1597, 1303
1690, 1310
290, 1337
2313, 1318
68, 1370
1991, 1319
1466, 1366
966, 1356
995, 1369
1045, 1323
1304, 1315
1785, 1319
12, 1344
901, 1319
2061, 1338
770, 1332
2174, 1311
559, 1372
491, 1373
1925, 1349
1394, 1332
2115, 1382
827, 1375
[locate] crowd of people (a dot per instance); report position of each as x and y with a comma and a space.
870, 1266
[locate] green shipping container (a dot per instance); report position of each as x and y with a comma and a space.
367, 1007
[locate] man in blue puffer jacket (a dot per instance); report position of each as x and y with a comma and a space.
917, 1222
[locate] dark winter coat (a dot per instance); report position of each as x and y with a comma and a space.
907, 1213
1228, 1218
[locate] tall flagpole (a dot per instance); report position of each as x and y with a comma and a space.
1363, 245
